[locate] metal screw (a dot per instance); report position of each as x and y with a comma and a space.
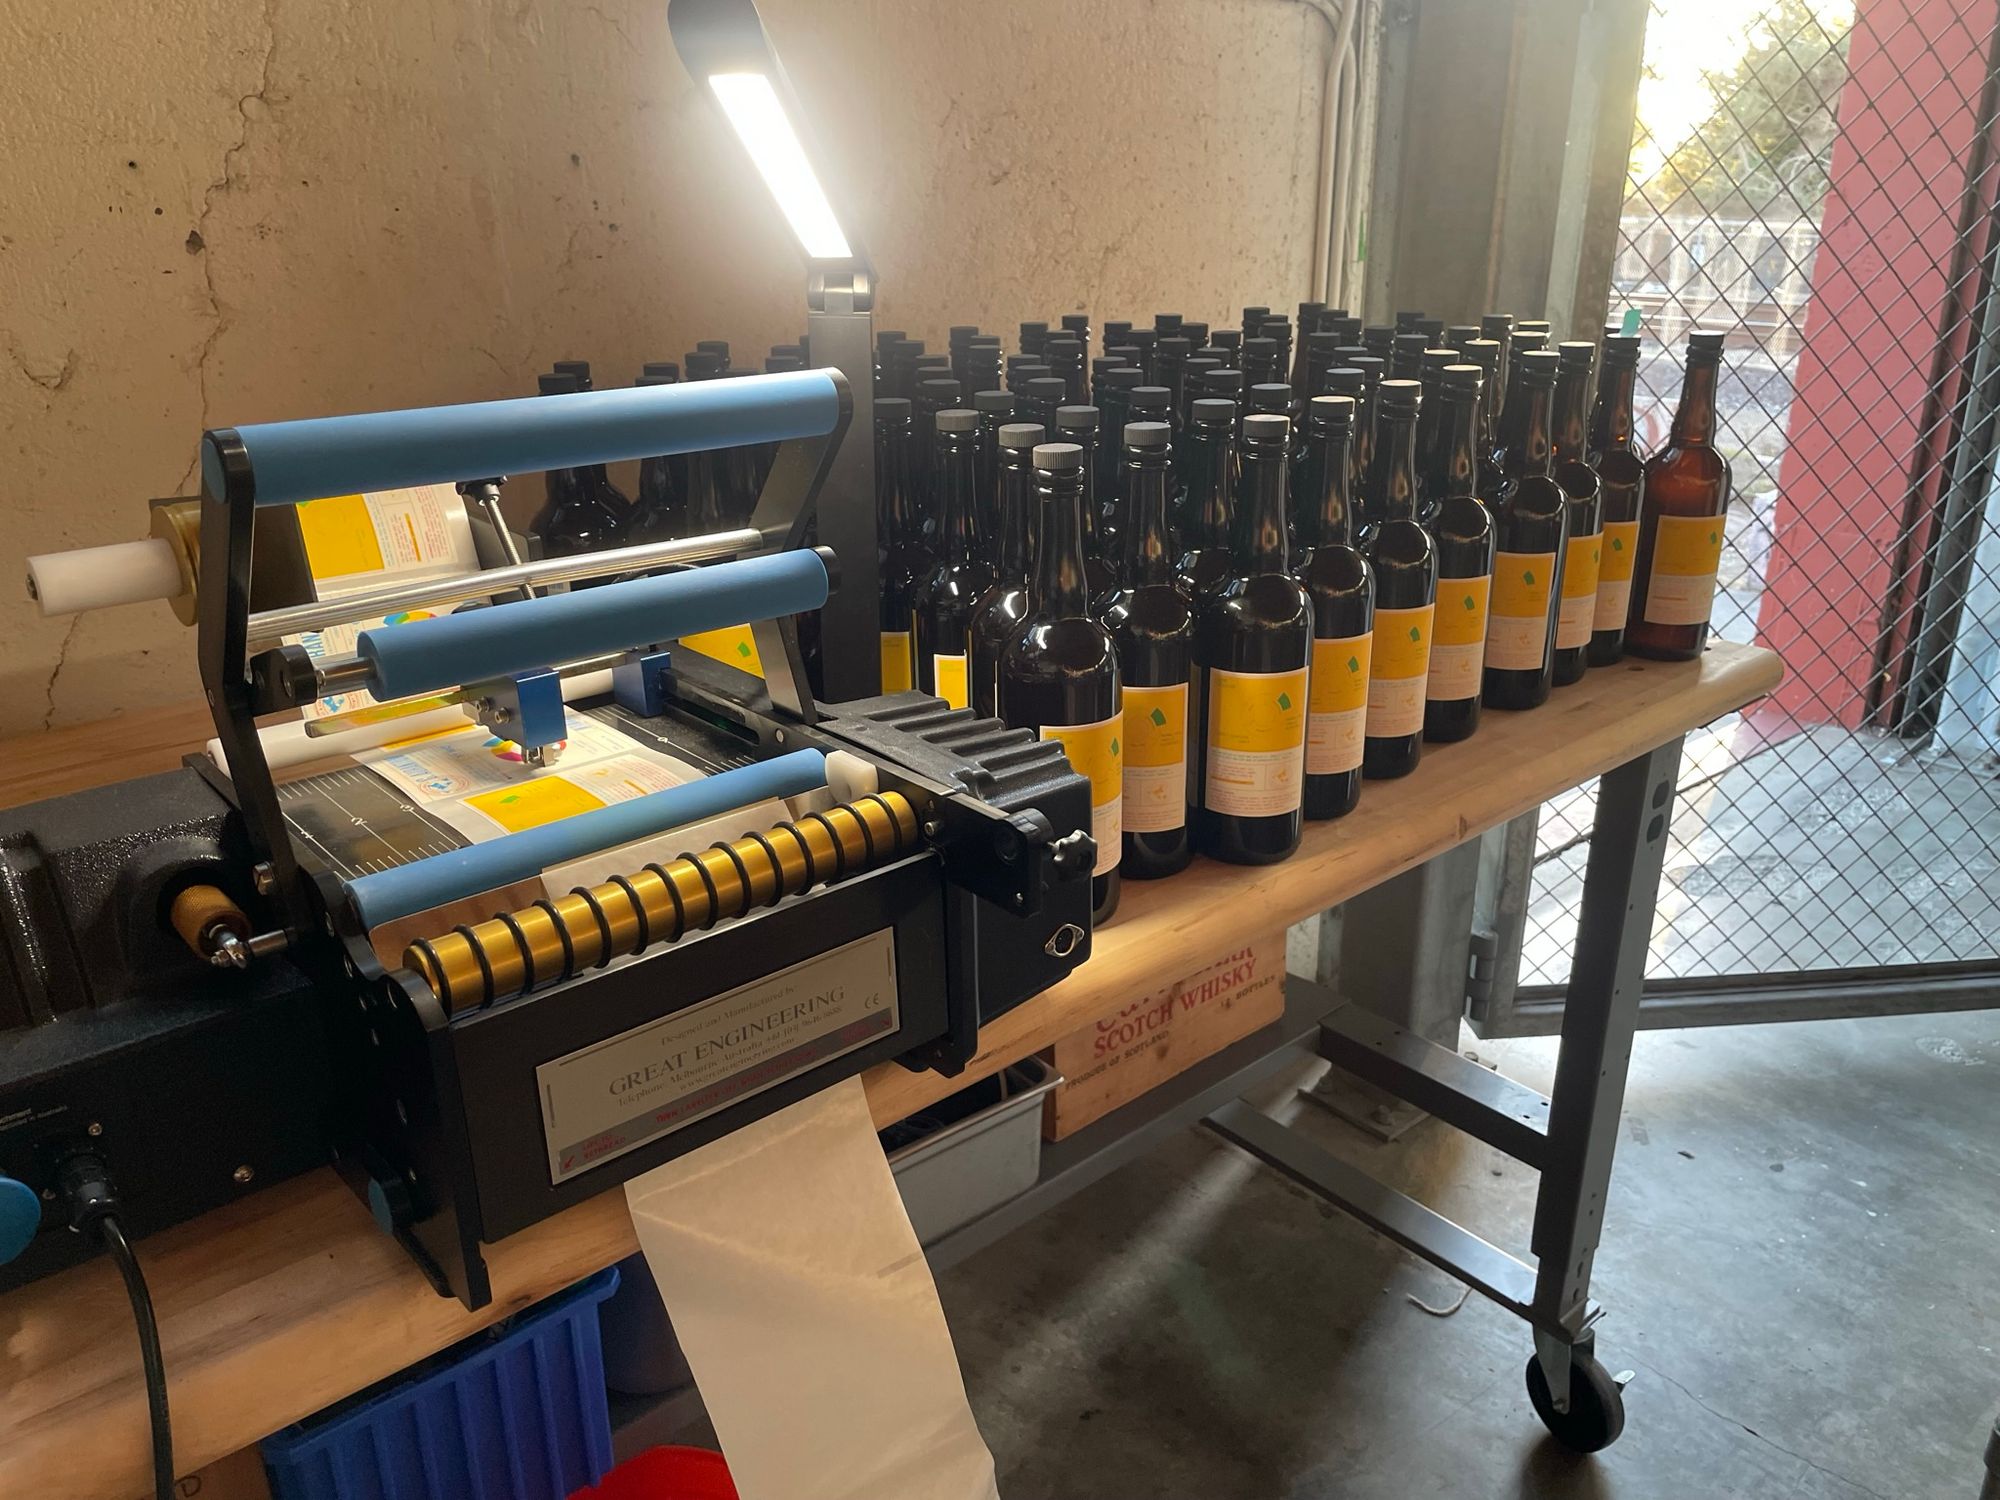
933, 828
93, 1128
265, 879
49, 1194
779, 736
242, 1175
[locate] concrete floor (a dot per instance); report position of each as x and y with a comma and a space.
1801, 1264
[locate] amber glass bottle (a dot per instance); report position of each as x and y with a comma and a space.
1342, 588
1623, 476
1576, 616
1681, 526
999, 614
1462, 527
1531, 531
945, 603
1404, 558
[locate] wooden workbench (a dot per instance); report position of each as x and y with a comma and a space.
274, 1307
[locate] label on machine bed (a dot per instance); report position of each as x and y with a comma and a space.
610, 1098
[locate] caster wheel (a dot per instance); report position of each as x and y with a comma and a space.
1596, 1412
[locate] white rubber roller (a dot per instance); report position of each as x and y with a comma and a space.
64, 583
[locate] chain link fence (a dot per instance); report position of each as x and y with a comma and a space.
1816, 177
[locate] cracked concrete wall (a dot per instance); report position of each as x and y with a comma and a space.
214, 212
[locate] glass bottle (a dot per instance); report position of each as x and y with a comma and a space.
1462, 528
1209, 507
1152, 624
1001, 611
1531, 535
1253, 653
660, 511
1079, 425
1060, 675
1681, 528
1405, 561
945, 602
1342, 588
1623, 477
905, 560
1576, 616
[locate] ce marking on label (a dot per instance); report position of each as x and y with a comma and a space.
875, 1001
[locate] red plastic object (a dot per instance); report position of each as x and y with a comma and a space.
665, 1474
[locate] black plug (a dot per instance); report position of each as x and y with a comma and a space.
85, 1184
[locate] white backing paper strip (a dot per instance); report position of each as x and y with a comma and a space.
807, 1311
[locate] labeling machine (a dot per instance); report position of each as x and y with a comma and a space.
280, 956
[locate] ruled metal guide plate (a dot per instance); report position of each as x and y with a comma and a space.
351, 822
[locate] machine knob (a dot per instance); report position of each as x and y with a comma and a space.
20, 1217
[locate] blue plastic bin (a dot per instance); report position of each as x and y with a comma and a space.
517, 1412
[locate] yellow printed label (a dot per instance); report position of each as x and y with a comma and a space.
1337, 721
1578, 613
1256, 742
1614, 575
1155, 758
1687, 550
1097, 751
530, 804
732, 644
1401, 671
896, 666
948, 672
339, 536
1517, 630
1458, 647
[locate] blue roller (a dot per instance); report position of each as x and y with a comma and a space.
421, 656
391, 450
425, 883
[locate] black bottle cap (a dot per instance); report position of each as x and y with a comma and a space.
938, 390
1492, 323
700, 364
1152, 398
1077, 323
1332, 411
958, 419
1273, 396
1345, 381
983, 341
1621, 348
557, 384
1034, 328
1531, 338
1057, 458
1399, 395
1458, 335
1371, 368
580, 368
884, 337
1027, 370
1147, 434
1175, 344
1253, 317
1321, 341
1123, 377
1706, 341
1462, 377
932, 362
1062, 341
1213, 411
1142, 338
1115, 330
1413, 342
1430, 328
797, 351
1437, 359
653, 380
1538, 366
1260, 345
895, 408
1215, 352
1227, 338
666, 368
1195, 333
1105, 362
993, 402
714, 346
1076, 419
1021, 434
1047, 388
1264, 426
1535, 325
782, 364
1222, 380
1577, 353
907, 347
1199, 363
1166, 322
960, 334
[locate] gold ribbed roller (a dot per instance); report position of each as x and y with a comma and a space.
521, 950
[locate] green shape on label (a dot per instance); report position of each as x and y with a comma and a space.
1285, 702
510, 797
743, 649
1114, 746
1528, 577
1470, 604
1354, 664
1416, 633
1712, 538
1618, 544
1158, 718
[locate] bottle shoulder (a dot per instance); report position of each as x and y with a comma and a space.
1336, 570
1049, 649
1536, 497
1463, 520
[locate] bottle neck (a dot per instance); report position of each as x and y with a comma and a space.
1528, 449
1061, 589
1261, 545
1330, 523
1212, 482
1611, 420
1694, 422
1146, 543
955, 483
1017, 512
894, 505
1455, 460
1570, 418
1393, 479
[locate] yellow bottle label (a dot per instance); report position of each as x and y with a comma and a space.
1338, 716
1517, 631
948, 672
1614, 574
531, 804
339, 536
1400, 672
898, 675
1458, 647
1097, 751
1578, 612
732, 644
1687, 550
1155, 796
1256, 742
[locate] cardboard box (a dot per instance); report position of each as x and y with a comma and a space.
1164, 1031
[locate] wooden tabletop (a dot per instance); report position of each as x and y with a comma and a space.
276, 1306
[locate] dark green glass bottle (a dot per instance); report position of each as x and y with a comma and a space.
1342, 588
1576, 616
1462, 528
1531, 534
1001, 611
945, 602
1404, 558
1623, 476
1209, 509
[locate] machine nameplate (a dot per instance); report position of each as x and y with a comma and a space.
614, 1096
